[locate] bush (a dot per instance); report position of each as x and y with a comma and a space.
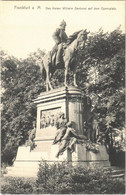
65, 179
3, 168
15, 185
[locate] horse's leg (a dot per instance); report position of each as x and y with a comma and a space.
47, 86
47, 80
75, 79
66, 73
50, 85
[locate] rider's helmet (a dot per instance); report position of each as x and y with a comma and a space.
63, 23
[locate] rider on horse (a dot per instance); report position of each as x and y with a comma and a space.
60, 38
65, 59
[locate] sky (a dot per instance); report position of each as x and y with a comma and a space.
26, 26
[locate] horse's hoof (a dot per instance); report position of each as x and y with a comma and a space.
76, 85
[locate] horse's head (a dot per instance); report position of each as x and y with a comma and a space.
81, 38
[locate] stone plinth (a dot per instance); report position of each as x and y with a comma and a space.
88, 158
68, 100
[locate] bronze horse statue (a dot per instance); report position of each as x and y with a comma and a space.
74, 43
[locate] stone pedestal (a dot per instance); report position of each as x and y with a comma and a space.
88, 158
70, 102
66, 100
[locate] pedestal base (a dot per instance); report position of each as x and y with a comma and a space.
88, 158
70, 102
27, 162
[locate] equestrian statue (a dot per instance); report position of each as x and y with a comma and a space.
63, 54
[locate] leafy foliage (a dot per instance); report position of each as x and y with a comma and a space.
100, 75
61, 178
21, 82
65, 179
14, 185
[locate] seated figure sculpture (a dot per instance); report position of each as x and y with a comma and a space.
61, 127
68, 139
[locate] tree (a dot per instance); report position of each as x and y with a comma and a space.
21, 83
104, 78
100, 75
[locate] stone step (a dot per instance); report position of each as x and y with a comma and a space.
117, 168
118, 176
22, 168
114, 172
26, 164
113, 168
21, 172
